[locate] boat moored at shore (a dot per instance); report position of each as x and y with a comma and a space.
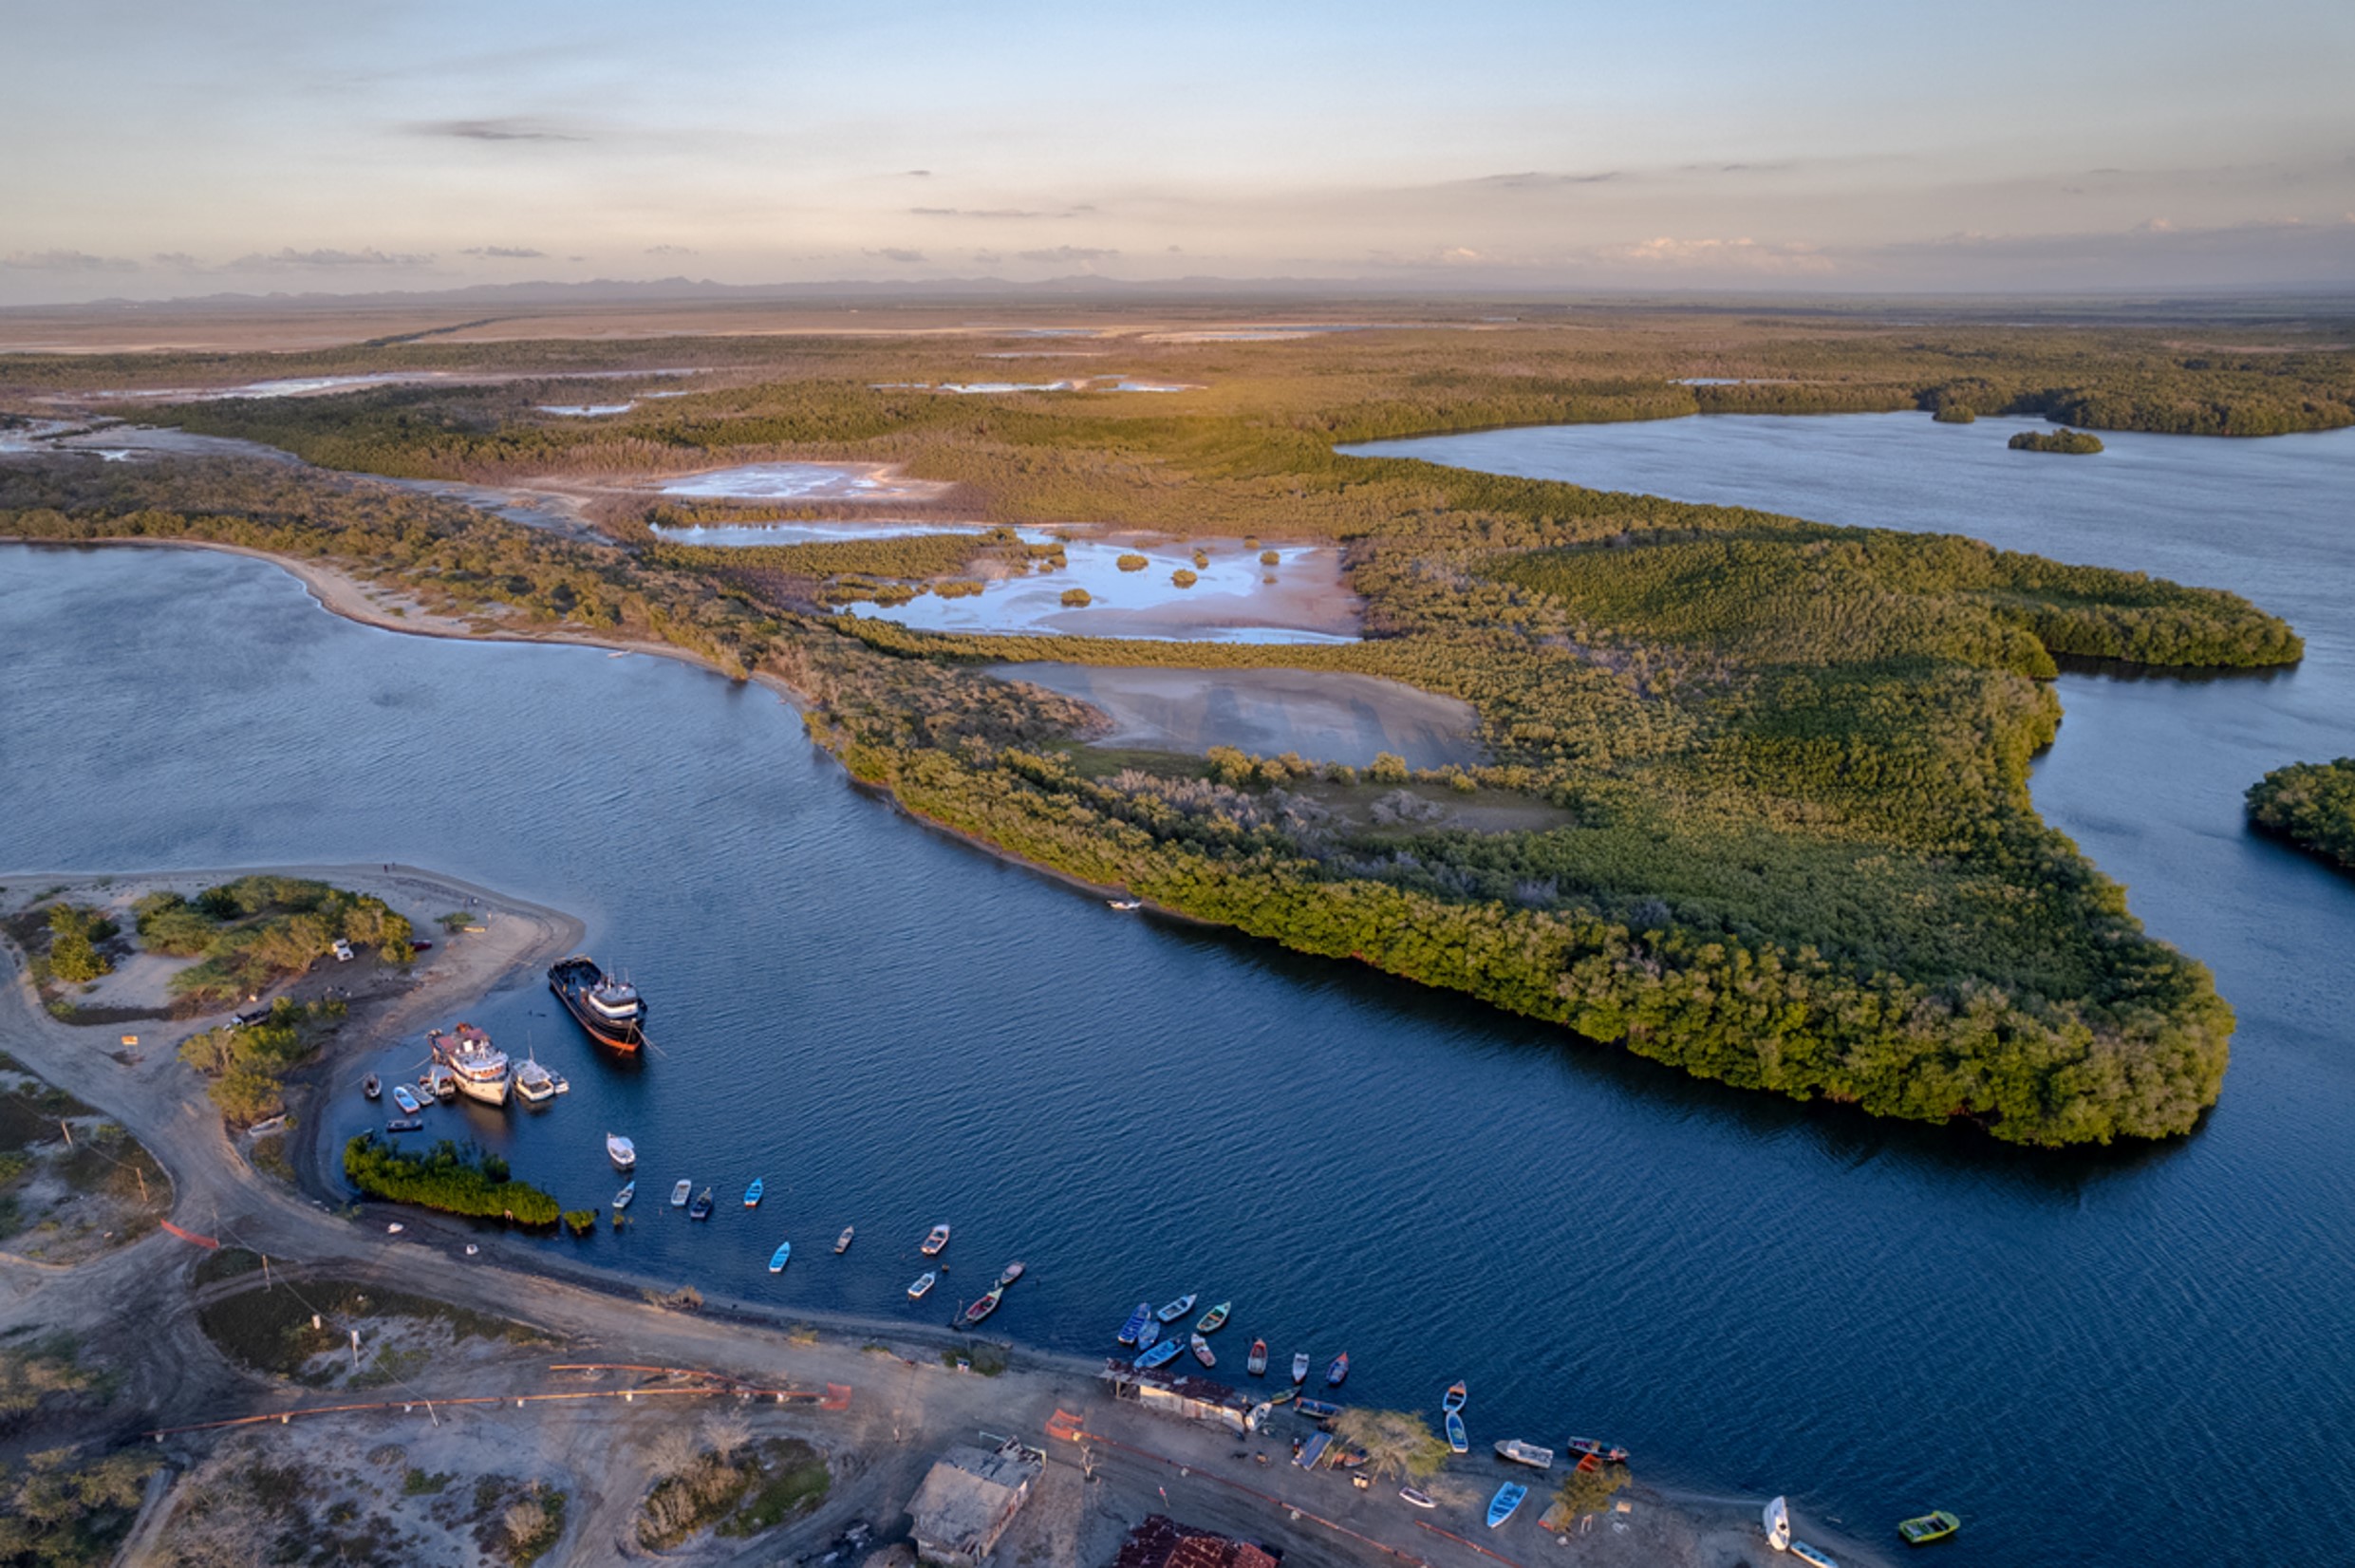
478, 1067
1518, 1452
1134, 1327
1936, 1526
606, 1006
1508, 1498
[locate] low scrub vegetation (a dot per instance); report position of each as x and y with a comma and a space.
715, 1477
249, 934
448, 1177
2073, 442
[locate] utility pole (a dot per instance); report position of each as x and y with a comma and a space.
67, 1128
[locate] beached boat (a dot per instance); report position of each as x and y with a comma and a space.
404, 1124
752, 1194
1318, 1409
1313, 1453
1177, 1309
1337, 1373
782, 1256
1283, 1396
1150, 1332
935, 1242
478, 1067
404, 1099
1925, 1528
373, 1087
983, 1307
1124, 904
1778, 1525
678, 1193
1414, 1499
622, 1199
1160, 1355
1610, 1453
1815, 1557
1513, 1448
1255, 1363
621, 1151
1507, 1498
535, 1085
701, 1207
1200, 1347
1135, 1325
1456, 1396
842, 1242
923, 1282
606, 1005
1012, 1271
1299, 1367
1458, 1439
1215, 1318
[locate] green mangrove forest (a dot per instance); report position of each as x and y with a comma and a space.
2310, 803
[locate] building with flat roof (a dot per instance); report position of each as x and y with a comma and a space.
967, 1500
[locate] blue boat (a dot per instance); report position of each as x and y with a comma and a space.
1145, 1335
1160, 1355
1135, 1325
1456, 1439
1337, 1373
782, 1256
1508, 1499
1306, 1459
752, 1194
1318, 1410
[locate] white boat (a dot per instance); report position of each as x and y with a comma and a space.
1525, 1453
406, 1099
621, 1198
1815, 1556
479, 1067
842, 1242
1171, 1310
564, 1085
935, 1243
1778, 1521
923, 1283
678, 1194
440, 1082
621, 1151
535, 1085
1299, 1367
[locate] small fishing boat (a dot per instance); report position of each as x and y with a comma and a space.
441, 1083
1778, 1523
1255, 1363
1150, 1332
701, 1207
1936, 1526
1815, 1557
1337, 1373
1299, 1367
1283, 1396
1456, 1397
1200, 1347
1507, 1498
404, 1124
1313, 1453
842, 1242
622, 1199
395, 1228
1517, 1451
1318, 1409
1416, 1499
1457, 1440
982, 1308
406, 1099
1011, 1272
373, 1087
1135, 1325
678, 1193
621, 1151
1124, 904
934, 1242
923, 1283
1177, 1309
782, 1256
1610, 1453
1215, 1318
564, 1085
1160, 1355
752, 1194
533, 1084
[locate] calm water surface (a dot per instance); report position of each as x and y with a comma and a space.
2126, 1357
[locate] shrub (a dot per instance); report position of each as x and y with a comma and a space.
1184, 578
444, 1177
1131, 561
1077, 598
1269, 558
1202, 557
1955, 413
2075, 442
2312, 805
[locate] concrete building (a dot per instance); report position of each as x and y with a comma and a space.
968, 1499
1176, 1393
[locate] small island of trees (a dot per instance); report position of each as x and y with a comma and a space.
2075, 442
2310, 803
454, 1180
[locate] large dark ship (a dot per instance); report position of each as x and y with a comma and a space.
606, 1005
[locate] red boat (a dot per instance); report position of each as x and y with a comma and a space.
982, 1308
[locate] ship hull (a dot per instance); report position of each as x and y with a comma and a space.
570, 982
489, 1094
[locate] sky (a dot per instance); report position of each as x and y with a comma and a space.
163, 149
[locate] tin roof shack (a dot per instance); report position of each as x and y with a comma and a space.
968, 1499
1188, 1398
1161, 1543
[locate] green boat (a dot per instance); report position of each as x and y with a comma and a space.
1215, 1318
1929, 1527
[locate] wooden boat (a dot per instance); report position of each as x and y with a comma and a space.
1778, 1525
752, 1194
373, 1087
1299, 1367
1610, 1453
1416, 1499
1283, 1396
1457, 1395
1318, 1409
981, 1308
1255, 1363
622, 1199
440, 1082
1160, 1355
1150, 1332
782, 1256
701, 1207
678, 1193
404, 1124
1201, 1352
621, 1151
1531, 1454
1177, 1309
406, 1099
1508, 1499
842, 1242
1135, 1325
934, 1242
1313, 1453
1215, 1318
923, 1283
1337, 1373
1815, 1557
1925, 1528
1011, 1273
1457, 1440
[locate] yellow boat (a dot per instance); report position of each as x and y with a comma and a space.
1929, 1527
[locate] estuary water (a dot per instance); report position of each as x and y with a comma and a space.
2134, 1356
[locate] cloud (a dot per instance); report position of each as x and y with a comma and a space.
65, 261
975, 211
1534, 179
330, 258
507, 129
505, 252
1745, 254
672, 251
897, 252
175, 258
1080, 253
920, 174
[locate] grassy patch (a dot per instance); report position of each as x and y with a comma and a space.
986, 1359
269, 1330
227, 1263
792, 1481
